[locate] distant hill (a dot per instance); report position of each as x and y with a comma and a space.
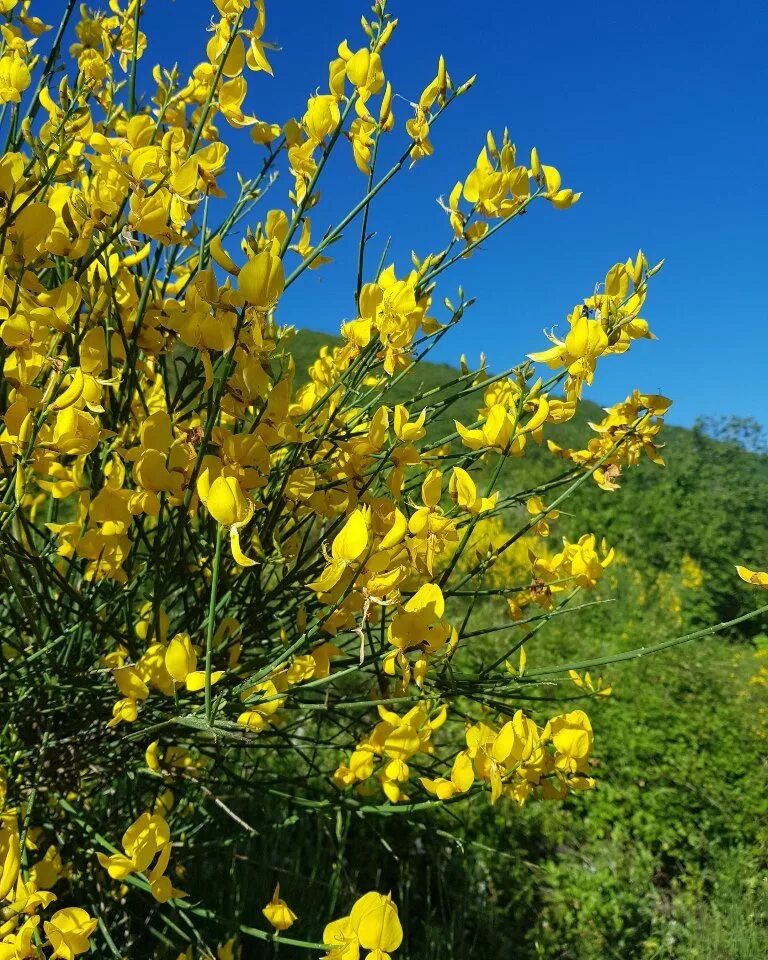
711, 501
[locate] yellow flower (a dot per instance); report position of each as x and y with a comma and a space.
147, 838
261, 280
586, 341
322, 117
68, 931
372, 925
572, 738
228, 951
419, 623
278, 912
628, 431
20, 944
10, 853
464, 493
462, 778
751, 576
363, 70
348, 547
181, 664
14, 78
231, 96
549, 178
231, 8
47, 872
75, 432
230, 507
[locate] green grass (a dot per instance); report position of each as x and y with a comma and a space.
733, 925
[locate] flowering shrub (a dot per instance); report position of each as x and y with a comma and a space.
217, 584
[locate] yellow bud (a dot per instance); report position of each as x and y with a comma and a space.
386, 34
262, 280
19, 484
221, 257
227, 503
535, 164
180, 657
278, 912
442, 79
385, 112
466, 85
25, 430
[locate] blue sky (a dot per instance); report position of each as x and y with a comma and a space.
655, 111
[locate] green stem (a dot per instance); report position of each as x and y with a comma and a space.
214, 87
50, 63
135, 60
638, 652
212, 622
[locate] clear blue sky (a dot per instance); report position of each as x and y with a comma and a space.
656, 111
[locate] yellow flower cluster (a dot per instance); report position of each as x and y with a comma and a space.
605, 323
25, 894
519, 759
627, 430
513, 760
394, 741
578, 564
